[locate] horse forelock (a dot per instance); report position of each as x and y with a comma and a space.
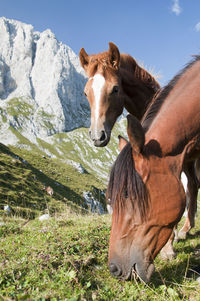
126, 185
99, 63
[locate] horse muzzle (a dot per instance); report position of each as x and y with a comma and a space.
135, 268
99, 138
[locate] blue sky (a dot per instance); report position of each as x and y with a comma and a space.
163, 34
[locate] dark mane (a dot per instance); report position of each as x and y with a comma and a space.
139, 73
161, 95
125, 184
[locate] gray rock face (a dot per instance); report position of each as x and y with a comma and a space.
93, 205
41, 82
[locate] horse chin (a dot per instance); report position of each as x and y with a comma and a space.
139, 273
142, 273
99, 143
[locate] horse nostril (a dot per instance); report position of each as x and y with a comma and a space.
103, 136
115, 270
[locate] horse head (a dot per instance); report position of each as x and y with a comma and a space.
104, 92
148, 199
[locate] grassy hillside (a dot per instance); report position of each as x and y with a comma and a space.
56, 161
23, 175
65, 258
70, 147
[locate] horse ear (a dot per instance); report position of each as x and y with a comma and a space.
182, 159
84, 58
122, 142
114, 55
135, 134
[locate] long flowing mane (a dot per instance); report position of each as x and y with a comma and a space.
125, 184
161, 95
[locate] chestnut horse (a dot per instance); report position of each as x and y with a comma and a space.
145, 188
120, 82
115, 81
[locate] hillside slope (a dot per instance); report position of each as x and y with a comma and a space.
24, 174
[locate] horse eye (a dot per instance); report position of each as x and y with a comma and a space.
115, 89
85, 93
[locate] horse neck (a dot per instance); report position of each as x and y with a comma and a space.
138, 85
177, 122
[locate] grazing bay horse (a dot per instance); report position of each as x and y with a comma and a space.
115, 82
145, 187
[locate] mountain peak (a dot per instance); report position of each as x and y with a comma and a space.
41, 82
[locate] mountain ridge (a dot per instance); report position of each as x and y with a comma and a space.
42, 73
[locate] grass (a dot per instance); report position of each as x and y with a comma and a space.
74, 146
45, 120
23, 174
65, 258
3, 115
18, 107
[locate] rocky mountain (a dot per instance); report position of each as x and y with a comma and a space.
41, 84
42, 106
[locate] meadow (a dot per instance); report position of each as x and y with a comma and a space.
65, 257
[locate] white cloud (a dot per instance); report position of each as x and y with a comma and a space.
176, 7
197, 27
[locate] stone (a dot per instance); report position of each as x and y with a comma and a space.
44, 217
93, 205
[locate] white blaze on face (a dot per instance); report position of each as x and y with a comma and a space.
97, 86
